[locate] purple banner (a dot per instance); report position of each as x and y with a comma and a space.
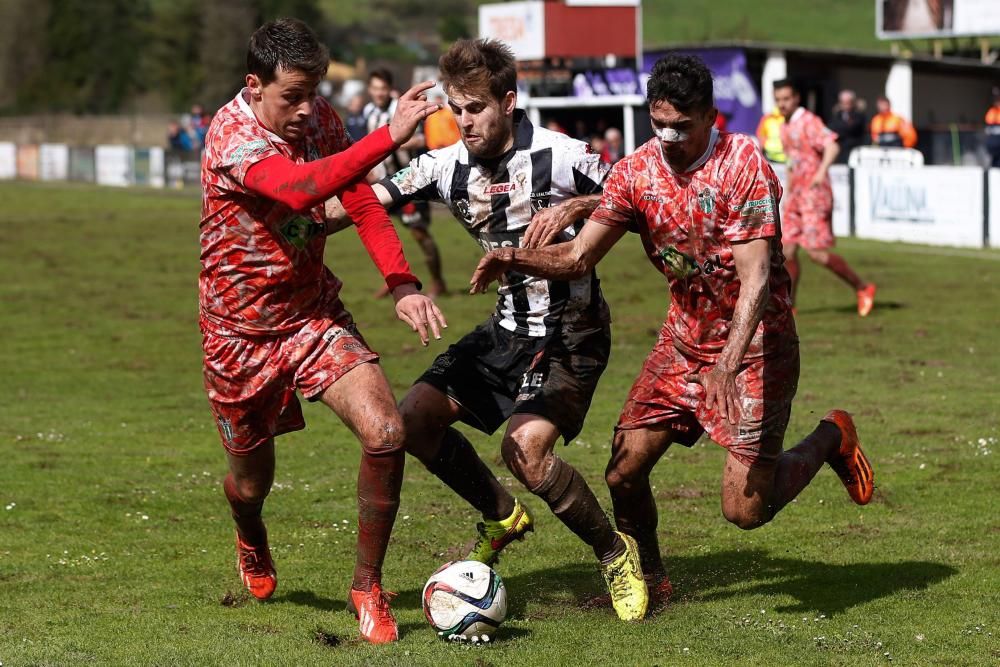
736, 94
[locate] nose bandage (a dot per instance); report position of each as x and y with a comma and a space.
670, 135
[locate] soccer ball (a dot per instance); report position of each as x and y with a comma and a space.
465, 599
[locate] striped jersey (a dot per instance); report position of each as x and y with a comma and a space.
495, 199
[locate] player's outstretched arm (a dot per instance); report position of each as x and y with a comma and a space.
563, 261
383, 246
336, 217
547, 223
753, 268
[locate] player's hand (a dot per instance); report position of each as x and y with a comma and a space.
411, 109
817, 179
336, 216
546, 225
720, 392
493, 265
419, 311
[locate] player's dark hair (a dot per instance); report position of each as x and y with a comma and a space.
787, 83
480, 66
381, 74
288, 44
682, 80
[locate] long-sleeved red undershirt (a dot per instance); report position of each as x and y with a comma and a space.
302, 186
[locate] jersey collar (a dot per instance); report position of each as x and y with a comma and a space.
798, 113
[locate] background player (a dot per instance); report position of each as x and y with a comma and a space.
538, 358
808, 213
705, 204
416, 216
271, 315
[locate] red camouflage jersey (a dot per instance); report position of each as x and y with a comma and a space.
262, 268
688, 223
804, 137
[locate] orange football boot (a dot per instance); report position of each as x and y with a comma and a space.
849, 462
866, 299
375, 619
256, 568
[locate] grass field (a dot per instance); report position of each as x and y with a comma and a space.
116, 545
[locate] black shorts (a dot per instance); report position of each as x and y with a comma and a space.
493, 373
414, 215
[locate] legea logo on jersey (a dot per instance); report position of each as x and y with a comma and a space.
500, 188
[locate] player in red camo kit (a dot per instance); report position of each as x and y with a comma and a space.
271, 315
811, 148
705, 204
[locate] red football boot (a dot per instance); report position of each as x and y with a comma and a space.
375, 619
256, 568
866, 299
849, 462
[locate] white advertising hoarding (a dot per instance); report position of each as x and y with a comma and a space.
53, 162
994, 213
8, 160
840, 180
520, 24
113, 165
931, 205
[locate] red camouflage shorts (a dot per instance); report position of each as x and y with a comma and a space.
661, 396
251, 380
807, 218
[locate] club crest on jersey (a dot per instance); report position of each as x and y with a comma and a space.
462, 209
706, 201
500, 188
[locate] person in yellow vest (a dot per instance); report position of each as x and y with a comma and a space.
993, 130
769, 134
890, 130
440, 128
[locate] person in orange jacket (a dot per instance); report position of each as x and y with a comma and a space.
890, 130
993, 130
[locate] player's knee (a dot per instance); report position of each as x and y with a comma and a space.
529, 469
619, 475
745, 517
385, 436
253, 490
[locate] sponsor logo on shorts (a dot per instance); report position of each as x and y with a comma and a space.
226, 429
336, 332
500, 188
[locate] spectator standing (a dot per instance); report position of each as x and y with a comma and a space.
769, 135
199, 124
440, 128
889, 129
849, 122
356, 124
177, 138
993, 130
613, 146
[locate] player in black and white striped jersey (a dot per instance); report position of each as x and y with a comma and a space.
536, 361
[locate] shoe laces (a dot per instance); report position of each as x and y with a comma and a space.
617, 579
382, 598
255, 561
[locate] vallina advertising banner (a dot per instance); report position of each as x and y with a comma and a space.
735, 93
908, 19
931, 205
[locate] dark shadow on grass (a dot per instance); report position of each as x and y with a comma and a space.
816, 586
310, 599
852, 308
